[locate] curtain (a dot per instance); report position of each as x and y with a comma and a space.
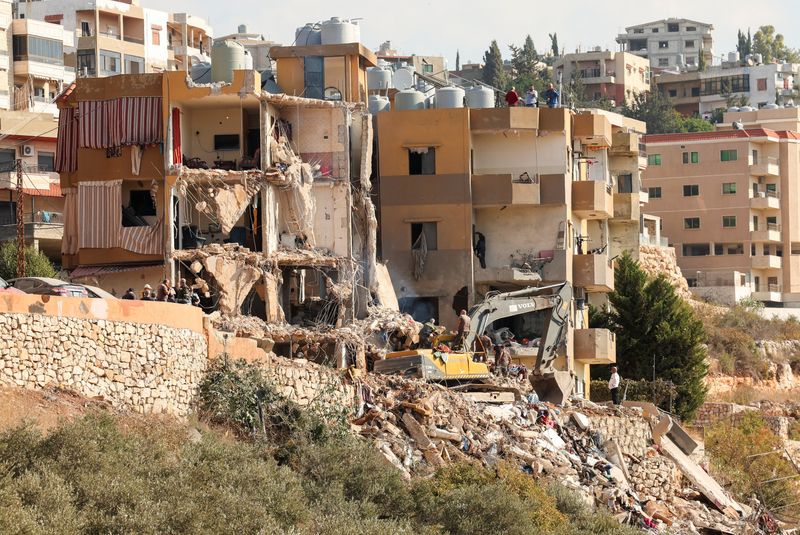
121, 121
69, 243
67, 146
100, 209
177, 153
143, 240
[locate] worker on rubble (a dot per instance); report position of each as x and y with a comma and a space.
162, 294
613, 385
462, 328
502, 359
427, 333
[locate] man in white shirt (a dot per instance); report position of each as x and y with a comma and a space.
613, 385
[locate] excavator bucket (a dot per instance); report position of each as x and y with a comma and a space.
554, 387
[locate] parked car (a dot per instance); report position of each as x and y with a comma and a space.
48, 286
6, 288
97, 293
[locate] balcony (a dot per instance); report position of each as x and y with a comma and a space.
507, 275
494, 191
596, 76
767, 292
41, 226
592, 199
647, 239
595, 346
765, 167
624, 144
766, 200
766, 262
771, 234
503, 119
626, 206
593, 272
592, 130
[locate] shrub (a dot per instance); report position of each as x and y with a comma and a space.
661, 393
36, 263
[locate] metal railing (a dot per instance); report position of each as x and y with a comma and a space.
767, 288
137, 40
767, 193
773, 226
110, 35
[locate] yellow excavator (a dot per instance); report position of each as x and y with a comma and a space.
459, 366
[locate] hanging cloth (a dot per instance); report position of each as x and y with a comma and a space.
69, 243
136, 159
177, 153
67, 146
100, 214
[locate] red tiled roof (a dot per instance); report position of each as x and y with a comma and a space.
54, 191
704, 136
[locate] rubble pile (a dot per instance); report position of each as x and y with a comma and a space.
657, 261
419, 427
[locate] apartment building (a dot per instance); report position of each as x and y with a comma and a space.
256, 45
190, 39
427, 65
616, 76
31, 138
726, 200
110, 36
534, 188
670, 43
702, 93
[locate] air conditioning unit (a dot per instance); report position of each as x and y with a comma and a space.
27, 150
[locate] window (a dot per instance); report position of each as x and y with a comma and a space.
729, 221
110, 63
772, 190
46, 161
696, 249
734, 248
691, 28
638, 30
689, 43
795, 248
673, 93
690, 223
39, 49
638, 44
663, 45
663, 62
691, 190
86, 63
226, 142
655, 30
428, 230
422, 161
691, 60
728, 155
625, 183
695, 91
673, 27
718, 250
427, 67
692, 157
653, 159
729, 188
141, 200
134, 64
654, 192
156, 37
8, 160
761, 84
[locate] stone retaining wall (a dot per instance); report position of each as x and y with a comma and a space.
632, 434
147, 368
710, 414
655, 476
307, 383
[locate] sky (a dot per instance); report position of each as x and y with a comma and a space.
442, 27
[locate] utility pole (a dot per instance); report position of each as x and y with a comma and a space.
20, 223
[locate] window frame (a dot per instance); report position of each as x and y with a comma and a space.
427, 162
693, 191
725, 155
730, 190
651, 190
691, 223
654, 159
727, 219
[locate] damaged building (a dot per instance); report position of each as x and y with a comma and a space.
259, 200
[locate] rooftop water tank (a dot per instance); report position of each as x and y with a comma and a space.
308, 35
243, 28
201, 73
771, 106
379, 78
733, 109
338, 31
449, 97
226, 56
378, 103
409, 99
758, 58
480, 97
404, 78
733, 57
747, 108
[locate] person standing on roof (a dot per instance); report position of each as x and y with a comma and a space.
462, 328
512, 97
551, 96
613, 385
532, 98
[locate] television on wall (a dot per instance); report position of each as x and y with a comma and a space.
226, 142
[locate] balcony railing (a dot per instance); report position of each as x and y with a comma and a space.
130, 39
646, 239
110, 35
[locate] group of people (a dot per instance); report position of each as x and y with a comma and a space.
183, 293
531, 97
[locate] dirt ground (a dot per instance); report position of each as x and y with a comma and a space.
44, 408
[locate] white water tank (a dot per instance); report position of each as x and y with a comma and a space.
378, 103
338, 31
379, 78
308, 35
480, 97
771, 106
409, 99
248, 61
449, 97
404, 78
733, 109
747, 108
226, 56
201, 73
733, 57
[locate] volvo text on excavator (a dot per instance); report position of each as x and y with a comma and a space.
460, 366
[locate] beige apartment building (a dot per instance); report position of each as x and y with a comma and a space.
615, 76
553, 195
728, 200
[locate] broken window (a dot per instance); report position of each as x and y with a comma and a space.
426, 232
422, 309
140, 205
422, 161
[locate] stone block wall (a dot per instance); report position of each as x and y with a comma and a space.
655, 476
146, 368
632, 434
307, 383
712, 413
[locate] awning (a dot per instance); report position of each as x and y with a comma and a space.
53, 191
94, 271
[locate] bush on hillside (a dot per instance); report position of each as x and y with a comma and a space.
36, 263
659, 392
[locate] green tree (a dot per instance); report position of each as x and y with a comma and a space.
701, 60
695, 124
458, 60
524, 58
493, 72
554, 45
772, 47
744, 44
654, 109
654, 325
36, 263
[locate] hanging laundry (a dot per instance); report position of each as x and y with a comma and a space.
136, 159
